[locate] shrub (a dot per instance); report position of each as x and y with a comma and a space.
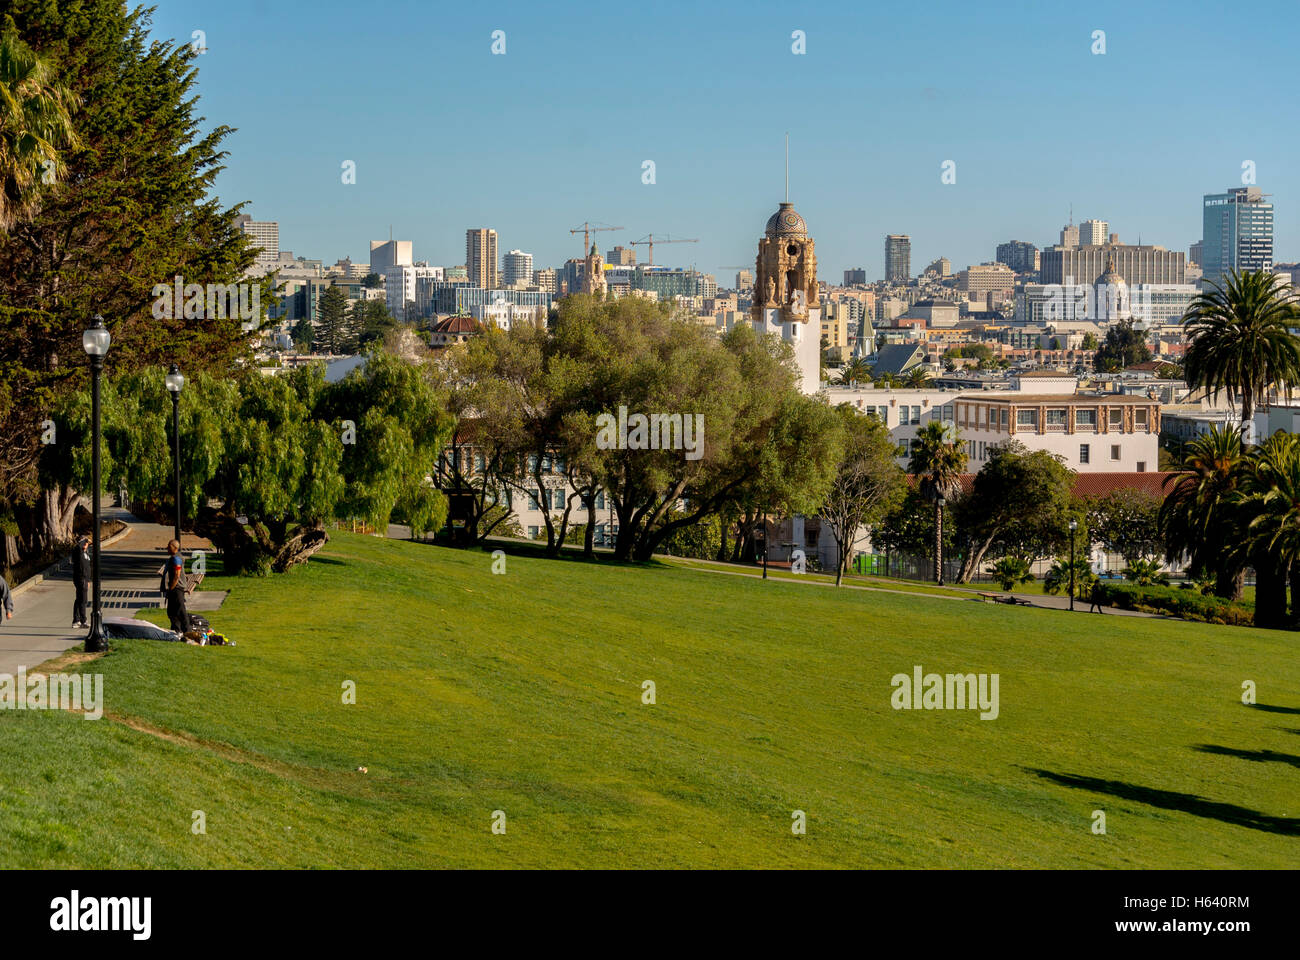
1058, 576
1146, 573
1010, 571
1187, 604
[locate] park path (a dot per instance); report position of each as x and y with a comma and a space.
42, 624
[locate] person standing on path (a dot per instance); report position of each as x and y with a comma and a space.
6, 601
80, 573
174, 588
1094, 598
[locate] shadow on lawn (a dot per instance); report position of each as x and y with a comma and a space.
1269, 708
1169, 800
1258, 756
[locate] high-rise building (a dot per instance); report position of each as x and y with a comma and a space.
855, 277
986, 278
621, 257
517, 269
1093, 233
1070, 235
744, 279
1019, 255
1237, 232
265, 235
545, 280
481, 257
898, 257
940, 268
1195, 252
389, 253
1138, 264
407, 290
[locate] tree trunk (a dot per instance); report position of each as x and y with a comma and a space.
974, 559
589, 539
938, 542
1270, 595
299, 547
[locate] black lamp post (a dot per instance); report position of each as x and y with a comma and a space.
764, 544
95, 342
1074, 525
938, 541
174, 384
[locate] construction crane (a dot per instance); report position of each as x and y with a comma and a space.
649, 241
587, 230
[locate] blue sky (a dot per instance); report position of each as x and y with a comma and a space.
445, 135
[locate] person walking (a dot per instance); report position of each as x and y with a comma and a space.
174, 588
6, 601
1094, 598
80, 560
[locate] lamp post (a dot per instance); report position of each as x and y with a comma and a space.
1074, 525
95, 342
174, 384
938, 540
764, 544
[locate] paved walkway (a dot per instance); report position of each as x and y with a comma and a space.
42, 624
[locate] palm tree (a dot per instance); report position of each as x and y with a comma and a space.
1240, 340
856, 370
938, 461
35, 124
918, 378
1270, 516
1197, 518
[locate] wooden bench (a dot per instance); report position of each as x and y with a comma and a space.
999, 598
990, 598
192, 581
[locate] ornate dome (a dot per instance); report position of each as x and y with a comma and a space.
1110, 276
785, 222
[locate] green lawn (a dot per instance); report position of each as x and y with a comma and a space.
522, 692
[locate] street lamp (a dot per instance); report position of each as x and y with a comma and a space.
1074, 525
764, 544
174, 384
95, 342
938, 540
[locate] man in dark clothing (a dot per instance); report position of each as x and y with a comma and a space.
174, 583
6, 601
80, 560
1095, 598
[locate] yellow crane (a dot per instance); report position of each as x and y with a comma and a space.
649, 241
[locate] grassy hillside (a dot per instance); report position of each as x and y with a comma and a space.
522, 692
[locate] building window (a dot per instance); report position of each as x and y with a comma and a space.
884, 415
1142, 466
1140, 418
532, 533
1116, 418
1084, 453
947, 412
1086, 419
916, 414
1005, 415
1026, 418
532, 500
1114, 451
1056, 418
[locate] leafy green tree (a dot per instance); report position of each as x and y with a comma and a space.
1089, 341
132, 210
1127, 522
372, 281
401, 426
1240, 340
867, 483
918, 378
1019, 499
856, 370
1268, 518
1124, 346
303, 335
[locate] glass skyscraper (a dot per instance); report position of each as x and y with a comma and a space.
1237, 232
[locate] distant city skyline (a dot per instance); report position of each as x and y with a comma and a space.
875, 108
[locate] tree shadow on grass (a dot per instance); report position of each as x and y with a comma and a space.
1272, 709
1170, 800
1258, 756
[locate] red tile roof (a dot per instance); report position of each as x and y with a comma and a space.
1155, 483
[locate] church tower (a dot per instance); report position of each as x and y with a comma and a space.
785, 292
593, 273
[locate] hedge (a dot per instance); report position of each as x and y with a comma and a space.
1187, 604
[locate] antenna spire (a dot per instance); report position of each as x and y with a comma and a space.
787, 166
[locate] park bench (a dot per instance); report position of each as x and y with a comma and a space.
190, 581
999, 598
